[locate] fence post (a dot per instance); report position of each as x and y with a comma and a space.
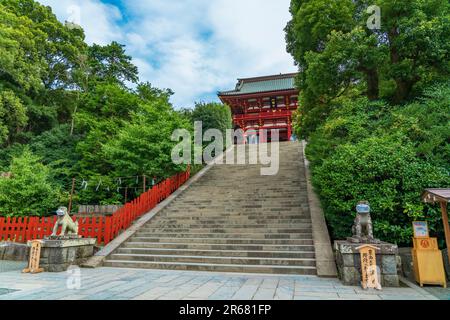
2, 223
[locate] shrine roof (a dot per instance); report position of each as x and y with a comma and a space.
436, 195
279, 82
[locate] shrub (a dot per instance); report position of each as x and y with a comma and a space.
386, 154
383, 170
30, 190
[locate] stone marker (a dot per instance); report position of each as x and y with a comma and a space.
369, 269
35, 257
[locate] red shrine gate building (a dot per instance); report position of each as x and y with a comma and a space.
263, 103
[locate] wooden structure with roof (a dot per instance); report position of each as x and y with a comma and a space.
263, 103
441, 196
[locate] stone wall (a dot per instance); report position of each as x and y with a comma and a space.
407, 264
106, 210
14, 251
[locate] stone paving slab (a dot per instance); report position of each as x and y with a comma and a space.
135, 284
6, 266
440, 292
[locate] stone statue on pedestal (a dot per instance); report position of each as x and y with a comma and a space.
362, 228
69, 228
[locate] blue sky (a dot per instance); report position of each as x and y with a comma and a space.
194, 47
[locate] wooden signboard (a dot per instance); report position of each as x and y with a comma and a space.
35, 257
369, 270
428, 261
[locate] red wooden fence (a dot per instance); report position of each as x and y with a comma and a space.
105, 229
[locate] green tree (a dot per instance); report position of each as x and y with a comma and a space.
144, 146
13, 116
213, 116
336, 52
110, 63
30, 191
21, 65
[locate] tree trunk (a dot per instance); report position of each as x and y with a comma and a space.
403, 87
373, 81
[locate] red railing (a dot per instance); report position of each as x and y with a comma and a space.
105, 229
264, 115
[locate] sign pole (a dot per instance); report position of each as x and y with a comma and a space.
446, 226
71, 195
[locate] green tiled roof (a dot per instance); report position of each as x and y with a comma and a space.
263, 84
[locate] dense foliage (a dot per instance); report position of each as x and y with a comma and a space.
336, 52
67, 111
213, 116
374, 108
29, 188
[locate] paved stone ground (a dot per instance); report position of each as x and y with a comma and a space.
440, 292
6, 266
133, 284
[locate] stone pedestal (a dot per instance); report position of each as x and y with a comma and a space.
14, 251
59, 255
348, 261
407, 268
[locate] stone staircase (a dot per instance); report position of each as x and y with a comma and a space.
232, 220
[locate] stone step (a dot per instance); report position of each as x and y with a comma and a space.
239, 209
221, 253
225, 228
205, 216
228, 226
214, 260
158, 234
206, 246
297, 270
236, 221
217, 240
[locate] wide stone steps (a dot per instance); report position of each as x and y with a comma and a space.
236, 221
213, 267
218, 247
232, 220
235, 217
221, 253
210, 226
227, 235
230, 240
214, 259
235, 230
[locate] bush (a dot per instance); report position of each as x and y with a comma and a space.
387, 174
29, 191
386, 155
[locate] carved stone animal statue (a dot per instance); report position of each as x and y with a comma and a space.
68, 226
362, 227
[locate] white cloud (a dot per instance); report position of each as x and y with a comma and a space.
194, 47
